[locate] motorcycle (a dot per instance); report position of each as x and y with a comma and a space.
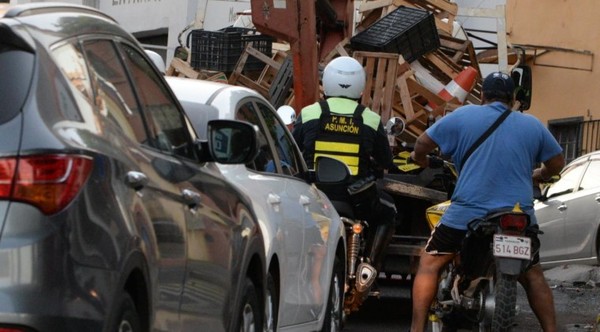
333, 178
478, 290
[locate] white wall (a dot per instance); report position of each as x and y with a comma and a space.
480, 23
174, 15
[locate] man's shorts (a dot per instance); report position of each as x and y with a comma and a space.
446, 240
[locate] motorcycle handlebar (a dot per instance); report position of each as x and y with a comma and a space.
434, 161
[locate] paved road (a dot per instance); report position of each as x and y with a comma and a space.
576, 292
390, 312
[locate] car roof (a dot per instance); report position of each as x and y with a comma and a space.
590, 155
49, 22
201, 91
36, 8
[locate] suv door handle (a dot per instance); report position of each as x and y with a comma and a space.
273, 199
562, 207
597, 199
136, 180
191, 198
304, 200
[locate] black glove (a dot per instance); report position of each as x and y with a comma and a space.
435, 162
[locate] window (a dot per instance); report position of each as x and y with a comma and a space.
592, 174
168, 127
568, 135
569, 180
16, 70
264, 162
283, 143
115, 97
72, 63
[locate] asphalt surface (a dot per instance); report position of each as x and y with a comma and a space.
576, 290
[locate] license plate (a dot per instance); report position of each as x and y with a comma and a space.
512, 246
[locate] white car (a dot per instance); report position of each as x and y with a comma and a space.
569, 215
304, 236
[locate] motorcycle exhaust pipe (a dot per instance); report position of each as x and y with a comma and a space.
365, 277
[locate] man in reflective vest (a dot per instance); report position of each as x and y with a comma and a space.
341, 128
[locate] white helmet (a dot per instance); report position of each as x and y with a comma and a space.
344, 77
287, 114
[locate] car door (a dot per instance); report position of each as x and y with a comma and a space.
152, 118
581, 223
551, 213
315, 223
282, 202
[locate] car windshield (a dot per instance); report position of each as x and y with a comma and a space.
569, 180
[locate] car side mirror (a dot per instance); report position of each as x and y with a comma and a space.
157, 60
232, 142
521, 75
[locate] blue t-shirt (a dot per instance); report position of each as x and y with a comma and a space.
498, 173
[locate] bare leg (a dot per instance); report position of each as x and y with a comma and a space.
425, 287
540, 297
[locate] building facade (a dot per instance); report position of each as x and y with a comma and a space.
561, 38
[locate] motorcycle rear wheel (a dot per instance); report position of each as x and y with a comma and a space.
506, 300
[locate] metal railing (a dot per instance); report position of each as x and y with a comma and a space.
589, 138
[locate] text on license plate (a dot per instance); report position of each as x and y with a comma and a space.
512, 246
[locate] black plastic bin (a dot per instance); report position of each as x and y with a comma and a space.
220, 50
406, 30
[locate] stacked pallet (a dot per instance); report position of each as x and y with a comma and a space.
416, 84
404, 75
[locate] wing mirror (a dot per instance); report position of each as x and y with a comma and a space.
395, 126
521, 75
157, 60
232, 142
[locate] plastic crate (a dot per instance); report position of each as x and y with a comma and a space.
220, 50
406, 30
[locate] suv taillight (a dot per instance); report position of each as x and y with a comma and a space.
49, 182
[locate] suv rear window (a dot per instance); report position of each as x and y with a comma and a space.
16, 70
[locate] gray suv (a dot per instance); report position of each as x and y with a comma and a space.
112, 214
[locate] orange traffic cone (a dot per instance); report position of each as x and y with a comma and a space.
459, 87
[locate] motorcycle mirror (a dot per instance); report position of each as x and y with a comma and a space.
522, 78
395, 126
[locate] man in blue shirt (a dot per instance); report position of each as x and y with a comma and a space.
498, 174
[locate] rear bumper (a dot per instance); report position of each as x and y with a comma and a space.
42, 287
69, 298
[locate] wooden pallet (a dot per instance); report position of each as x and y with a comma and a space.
392, 91
180, 68
268, 77
381, 71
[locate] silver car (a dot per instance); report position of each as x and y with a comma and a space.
569, 214
304, 236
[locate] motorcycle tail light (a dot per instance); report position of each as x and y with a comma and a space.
357, 228
49, 182
514, 222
